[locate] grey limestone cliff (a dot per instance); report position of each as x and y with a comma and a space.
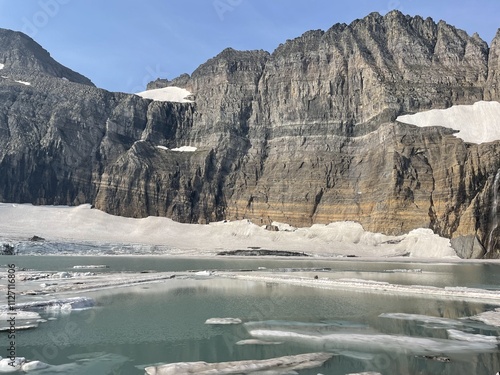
306, 134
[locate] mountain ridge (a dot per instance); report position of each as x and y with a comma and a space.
305, 134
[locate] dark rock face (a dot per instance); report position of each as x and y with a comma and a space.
304, 135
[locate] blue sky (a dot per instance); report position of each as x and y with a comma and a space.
123, 44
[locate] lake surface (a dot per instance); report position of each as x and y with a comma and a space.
161, 323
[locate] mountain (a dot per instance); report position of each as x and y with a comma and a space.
22, 57
306, 134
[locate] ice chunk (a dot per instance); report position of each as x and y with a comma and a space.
24, 320
370, 342
464, 336
74, 303
20, 315
223, 321
257, 342
33, 365
2, 66
422, 318
282, 364
62, 275
203, 273
491, 318
7, 365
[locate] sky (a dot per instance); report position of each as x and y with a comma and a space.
121, 45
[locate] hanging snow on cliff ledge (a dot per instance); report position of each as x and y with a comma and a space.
167, 94
477, 123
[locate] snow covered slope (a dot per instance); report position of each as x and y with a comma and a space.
167, 94
477, 123
19, 221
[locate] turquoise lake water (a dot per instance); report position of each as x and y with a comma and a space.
134, 327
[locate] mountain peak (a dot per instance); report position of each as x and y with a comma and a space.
22, 55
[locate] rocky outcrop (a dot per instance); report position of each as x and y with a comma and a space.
304, 135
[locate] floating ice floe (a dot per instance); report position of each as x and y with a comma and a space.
258, 342
405, 270
72, 303
203, 273
477, 123
24, 320
167, 94
422, 318
2, 66
282, 365
223, 321
470, 337
452, 293
34, 365
378, 342
89, 267
491, 318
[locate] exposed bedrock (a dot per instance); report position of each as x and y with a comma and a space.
306, 134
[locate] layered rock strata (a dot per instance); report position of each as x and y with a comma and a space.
304, 135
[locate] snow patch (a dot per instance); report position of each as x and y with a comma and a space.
185, 149
178, 149
477, 123
24, 83
167, 94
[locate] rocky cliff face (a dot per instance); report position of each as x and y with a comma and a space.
304, 135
